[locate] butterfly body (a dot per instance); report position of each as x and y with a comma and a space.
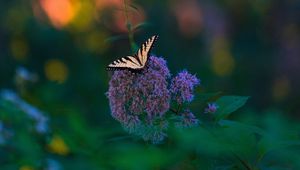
136, 62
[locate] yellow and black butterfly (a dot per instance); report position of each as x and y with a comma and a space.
136, 62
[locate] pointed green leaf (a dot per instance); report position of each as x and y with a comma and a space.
229, 104
115, 38
239, 125
134, 7
134, 47
141, 25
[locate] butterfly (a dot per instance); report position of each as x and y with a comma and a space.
136, 62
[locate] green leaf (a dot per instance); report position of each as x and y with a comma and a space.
204, 97
138, 157
201, 139
239, 126
115, 38
229, 104
134, 47
201, 99
134, 7
141, 25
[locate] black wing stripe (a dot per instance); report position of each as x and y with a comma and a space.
137, 61
134, 62
137, 58
122, 60
145, 49
127, 58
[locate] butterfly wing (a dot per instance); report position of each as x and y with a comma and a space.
136, 62
143, 53
129, 62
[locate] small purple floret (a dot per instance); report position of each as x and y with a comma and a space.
187, 120
182, 87
211, 108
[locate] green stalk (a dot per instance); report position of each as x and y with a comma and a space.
129, 28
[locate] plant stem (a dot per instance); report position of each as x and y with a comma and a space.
177, 110
173, 110
129, 28
244, 163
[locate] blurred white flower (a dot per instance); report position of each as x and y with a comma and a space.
32, 112
4, 134
53, 165
2, 141
22, 74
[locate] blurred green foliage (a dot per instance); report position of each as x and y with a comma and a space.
248, 48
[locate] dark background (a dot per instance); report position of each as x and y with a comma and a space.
248, 48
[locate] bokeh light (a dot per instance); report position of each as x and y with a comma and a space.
19, 48
222, 61
119, 14
84, 19
57, 145
281, 88
60, 12
15, 19
189, 17
56, 70
26, 167
95, 41
134, 17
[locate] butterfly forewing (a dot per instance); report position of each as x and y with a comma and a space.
136, 62
143, 52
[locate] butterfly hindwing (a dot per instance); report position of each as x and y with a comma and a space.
125, 62
136, 62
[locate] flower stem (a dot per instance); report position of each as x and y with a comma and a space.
176, 111
173, 110
244, 163
179, 108
129, 28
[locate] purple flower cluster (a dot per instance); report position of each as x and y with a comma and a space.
187, 120
135, 94
139, 101
182, 87
211, 108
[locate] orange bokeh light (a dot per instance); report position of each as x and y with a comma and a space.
118, 21
189, 17
100, 4
60, 12
134, 18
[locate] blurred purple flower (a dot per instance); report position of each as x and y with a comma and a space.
131, 95
182, 87
211, 108
187, 120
